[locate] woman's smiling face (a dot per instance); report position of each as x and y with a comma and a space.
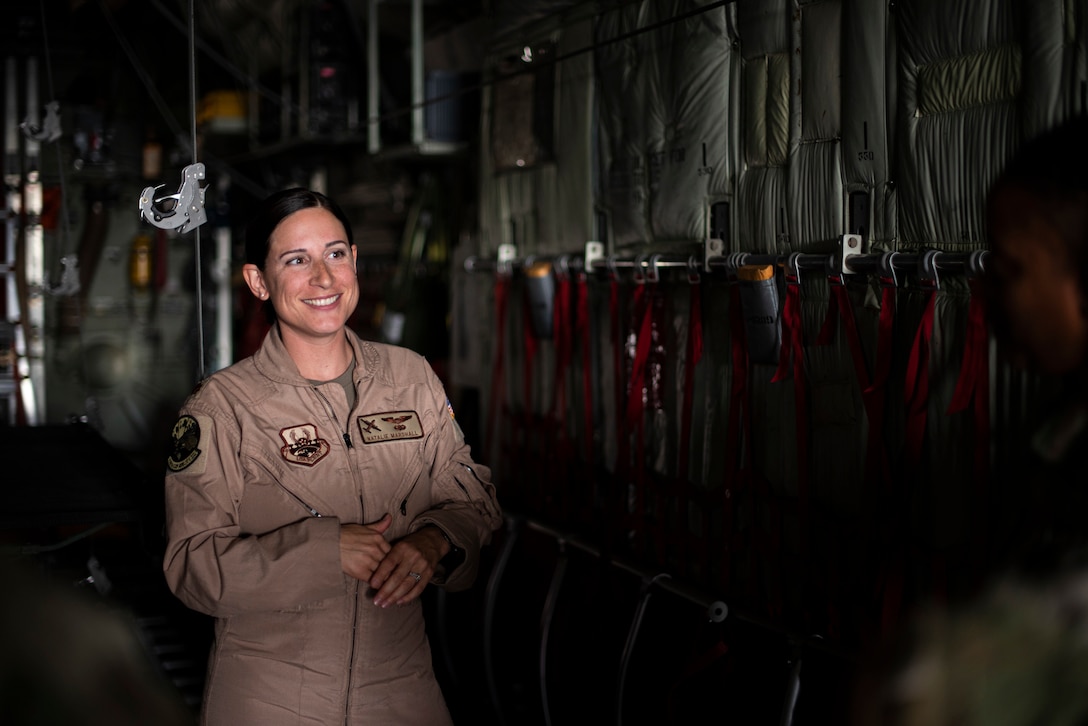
309, 275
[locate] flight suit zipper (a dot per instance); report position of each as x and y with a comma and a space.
300, 500
351, 653
332, 415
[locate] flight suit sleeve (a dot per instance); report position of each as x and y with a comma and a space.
464, 504
210, 563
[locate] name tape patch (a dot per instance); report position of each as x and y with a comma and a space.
390, 426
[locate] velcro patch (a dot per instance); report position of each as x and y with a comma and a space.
302, 445
390, 426
185, 449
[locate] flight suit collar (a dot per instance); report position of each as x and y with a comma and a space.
275, 363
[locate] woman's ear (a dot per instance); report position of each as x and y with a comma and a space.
255, 280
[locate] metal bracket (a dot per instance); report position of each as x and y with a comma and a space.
50, 127
594, 252
505, 258
712, 248
69, 277
849, 246
187, 212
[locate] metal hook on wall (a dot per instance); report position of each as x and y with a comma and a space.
637, 275
976, 264
887, 269
652, 272
834, 269
612, 267
927, 269
49, 130
793, 268
694, 270
187, 211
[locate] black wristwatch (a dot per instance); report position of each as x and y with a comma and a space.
455, 556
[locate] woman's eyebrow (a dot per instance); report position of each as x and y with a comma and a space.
303, 251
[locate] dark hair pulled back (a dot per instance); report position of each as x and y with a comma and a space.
277, 207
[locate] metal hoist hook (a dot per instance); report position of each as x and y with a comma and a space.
187, 211
49, 130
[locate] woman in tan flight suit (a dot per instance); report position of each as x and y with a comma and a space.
314, 490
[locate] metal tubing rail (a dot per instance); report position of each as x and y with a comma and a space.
717, 610
972, 263
969, 263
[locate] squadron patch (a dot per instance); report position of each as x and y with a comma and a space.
390, 426
186, 442
302, 445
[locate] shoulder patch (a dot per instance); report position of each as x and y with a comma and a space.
186, 444
302, 445
390, 426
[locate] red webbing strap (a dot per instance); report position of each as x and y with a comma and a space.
694, 355
916, 387
890, 581
840, 308
738, 429
884, 337
826, 336
560, 460
738, 432
636, 403
618, 378
526, 424
916, 397
973, 384
562, 335
840, 305
502, 295
531, 345
691, 359
877, 465
793, 350
618, 516
657, 485
584, 333
636, 391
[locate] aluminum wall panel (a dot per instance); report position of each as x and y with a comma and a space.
624, 95
690, 154
547, 207
815, 192
665, 114
868, 93
761, 209
949, 156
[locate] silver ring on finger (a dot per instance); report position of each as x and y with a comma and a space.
415, 576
